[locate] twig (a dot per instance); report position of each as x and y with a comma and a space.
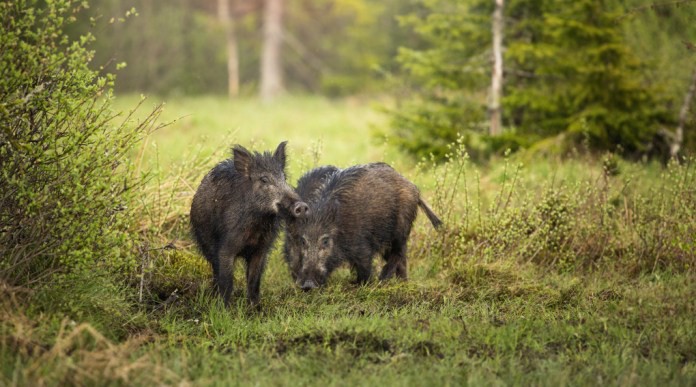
142, 272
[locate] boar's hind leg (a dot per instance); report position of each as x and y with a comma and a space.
396, 262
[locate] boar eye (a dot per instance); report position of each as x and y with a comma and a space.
265, 180
325, 241
305, 243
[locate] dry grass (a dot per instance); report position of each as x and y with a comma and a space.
75, 354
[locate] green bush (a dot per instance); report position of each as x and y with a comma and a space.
606, 215
65, 178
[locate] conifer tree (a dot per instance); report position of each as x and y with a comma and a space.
568, 70
585, 81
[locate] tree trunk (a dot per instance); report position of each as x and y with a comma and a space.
271, 69
228, 24
678, 139
497, 78
149, 49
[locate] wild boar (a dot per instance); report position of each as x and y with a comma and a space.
360, 212
236, 211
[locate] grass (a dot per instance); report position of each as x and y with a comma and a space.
339, 131
555, 272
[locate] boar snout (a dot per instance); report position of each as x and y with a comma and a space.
309, 285
300, 210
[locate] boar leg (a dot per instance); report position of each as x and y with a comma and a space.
256, 263
396, 262
402, 269
388, 269
224, 277
363, 273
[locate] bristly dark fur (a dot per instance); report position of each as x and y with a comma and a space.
309, 187
341, 181
311, 184
264, 160
337, 185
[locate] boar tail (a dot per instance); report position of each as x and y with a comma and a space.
429, 212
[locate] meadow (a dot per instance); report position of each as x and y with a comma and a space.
573, 270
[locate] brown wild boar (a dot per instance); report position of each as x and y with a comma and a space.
359, 212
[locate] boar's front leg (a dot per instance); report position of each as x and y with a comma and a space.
363, 272
256, 264
360, 258
224, 275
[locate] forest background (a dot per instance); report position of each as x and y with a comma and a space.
554, 138
612, 73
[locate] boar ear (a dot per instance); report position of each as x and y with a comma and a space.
279, 153
242, 159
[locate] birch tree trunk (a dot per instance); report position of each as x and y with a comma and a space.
228, 25
494, 108
678, 140
271, 69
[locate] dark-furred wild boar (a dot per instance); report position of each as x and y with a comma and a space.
236, 211
309, 188
360, 211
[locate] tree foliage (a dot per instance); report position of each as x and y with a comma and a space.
65, 181
332, 47
568, 71
327, 44
435, 111
165, 47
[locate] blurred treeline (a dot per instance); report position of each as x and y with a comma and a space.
610, 74
332, 47
339, 46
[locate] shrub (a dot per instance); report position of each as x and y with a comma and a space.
65, 179
579, 216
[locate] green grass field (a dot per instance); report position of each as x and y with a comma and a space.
340, 132
548, 272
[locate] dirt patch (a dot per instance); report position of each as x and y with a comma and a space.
484, 351
608, 295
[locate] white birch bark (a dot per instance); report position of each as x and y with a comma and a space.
228, 25
494, 107
271, 68
678, 139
